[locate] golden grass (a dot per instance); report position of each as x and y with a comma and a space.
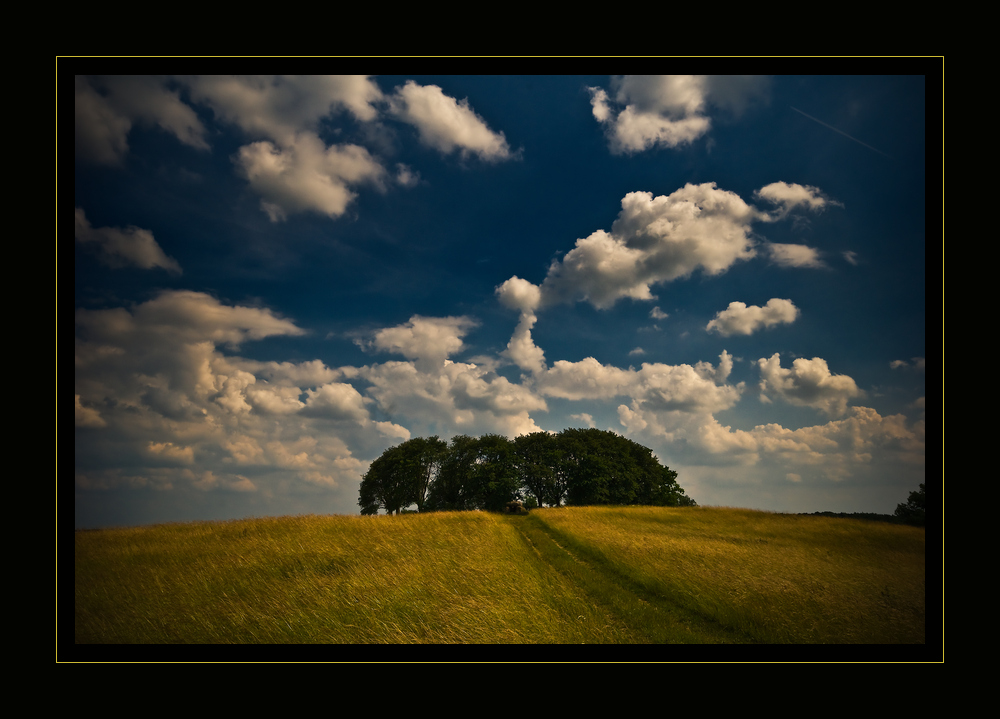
674, 575
438, 578
778, 578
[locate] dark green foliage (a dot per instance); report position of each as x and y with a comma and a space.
384, 485
539, 463
401, 476
578, 466
606, 468
915, 509
451, 491
495, 480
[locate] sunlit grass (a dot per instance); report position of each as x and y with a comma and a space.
775, 577
443, 577
611, 575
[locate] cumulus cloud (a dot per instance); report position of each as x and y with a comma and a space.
155, 395
519, 294
522, 350
446, 124
454, 397
289, 166
428, 340
107, 108
857, 439
306, 175
336, 400
644, 111
279, 107
119, 247
187, 317
788, 255
808, 383
654, 240
790, 196
739, 319
659, 387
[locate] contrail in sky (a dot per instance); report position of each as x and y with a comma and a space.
840, 131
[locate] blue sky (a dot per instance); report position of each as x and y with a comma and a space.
278, 277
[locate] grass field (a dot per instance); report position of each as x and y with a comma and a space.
600, 575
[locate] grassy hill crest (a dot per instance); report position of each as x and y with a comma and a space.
609, 575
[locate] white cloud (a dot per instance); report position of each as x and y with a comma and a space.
522, 350
788, 197
290, 167
188, 317
657, 314
452, 398
668, 110
659, 387
336, 400
119, 247
857, 439
428, 340
654, 240
446, 124
787, 255
306, 175
519, 294
312, 373
280, 107
169, 398
739, 319
808, 383
107, 107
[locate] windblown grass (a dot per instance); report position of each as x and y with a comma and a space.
558, 576
443, 577
777, 578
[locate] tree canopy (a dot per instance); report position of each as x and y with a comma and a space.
575, 467
914, 511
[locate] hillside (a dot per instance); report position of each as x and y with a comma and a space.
601, 575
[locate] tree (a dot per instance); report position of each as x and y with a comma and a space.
385, 485
537, 456
914, 510
401, 476
602, 467
494, 478
422, 458
450, 490
580, 466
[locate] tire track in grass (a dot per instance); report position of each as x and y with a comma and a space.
645, 614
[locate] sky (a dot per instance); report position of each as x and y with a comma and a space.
279, 277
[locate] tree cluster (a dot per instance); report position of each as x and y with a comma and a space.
914, 511
573, 467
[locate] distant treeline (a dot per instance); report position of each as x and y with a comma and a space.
913, 511
870, 516
573, 467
